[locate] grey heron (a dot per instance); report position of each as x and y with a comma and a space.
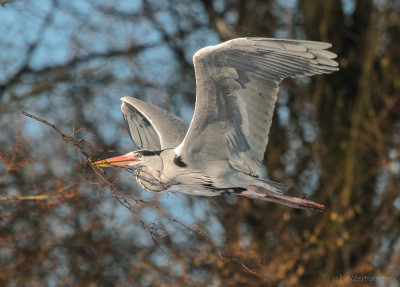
220, 153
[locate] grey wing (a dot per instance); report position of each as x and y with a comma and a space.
151, 127
237, 85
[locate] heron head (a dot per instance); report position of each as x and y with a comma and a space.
139, 158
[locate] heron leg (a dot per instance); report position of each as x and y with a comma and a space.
294, 202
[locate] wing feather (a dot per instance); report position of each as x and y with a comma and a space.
236, 91
151, 127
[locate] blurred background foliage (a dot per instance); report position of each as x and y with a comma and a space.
335, 137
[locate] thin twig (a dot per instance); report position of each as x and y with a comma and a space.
80, 144
64, 137
31, 197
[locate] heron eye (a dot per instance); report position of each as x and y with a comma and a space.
139, 155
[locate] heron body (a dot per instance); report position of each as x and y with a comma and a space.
222, 149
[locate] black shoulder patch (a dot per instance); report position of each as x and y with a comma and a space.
178, 161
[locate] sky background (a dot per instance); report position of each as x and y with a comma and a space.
334, 137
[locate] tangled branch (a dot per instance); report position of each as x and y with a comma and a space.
130, 202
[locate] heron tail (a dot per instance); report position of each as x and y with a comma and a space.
280, 187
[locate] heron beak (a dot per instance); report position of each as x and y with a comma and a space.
121, 161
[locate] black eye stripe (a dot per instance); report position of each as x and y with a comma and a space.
149, 153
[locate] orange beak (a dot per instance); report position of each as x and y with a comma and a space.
121, 161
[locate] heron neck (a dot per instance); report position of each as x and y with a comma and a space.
150, 177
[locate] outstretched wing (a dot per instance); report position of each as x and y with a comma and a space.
151, 127
237, 85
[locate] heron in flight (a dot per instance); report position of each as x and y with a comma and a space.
220, 152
